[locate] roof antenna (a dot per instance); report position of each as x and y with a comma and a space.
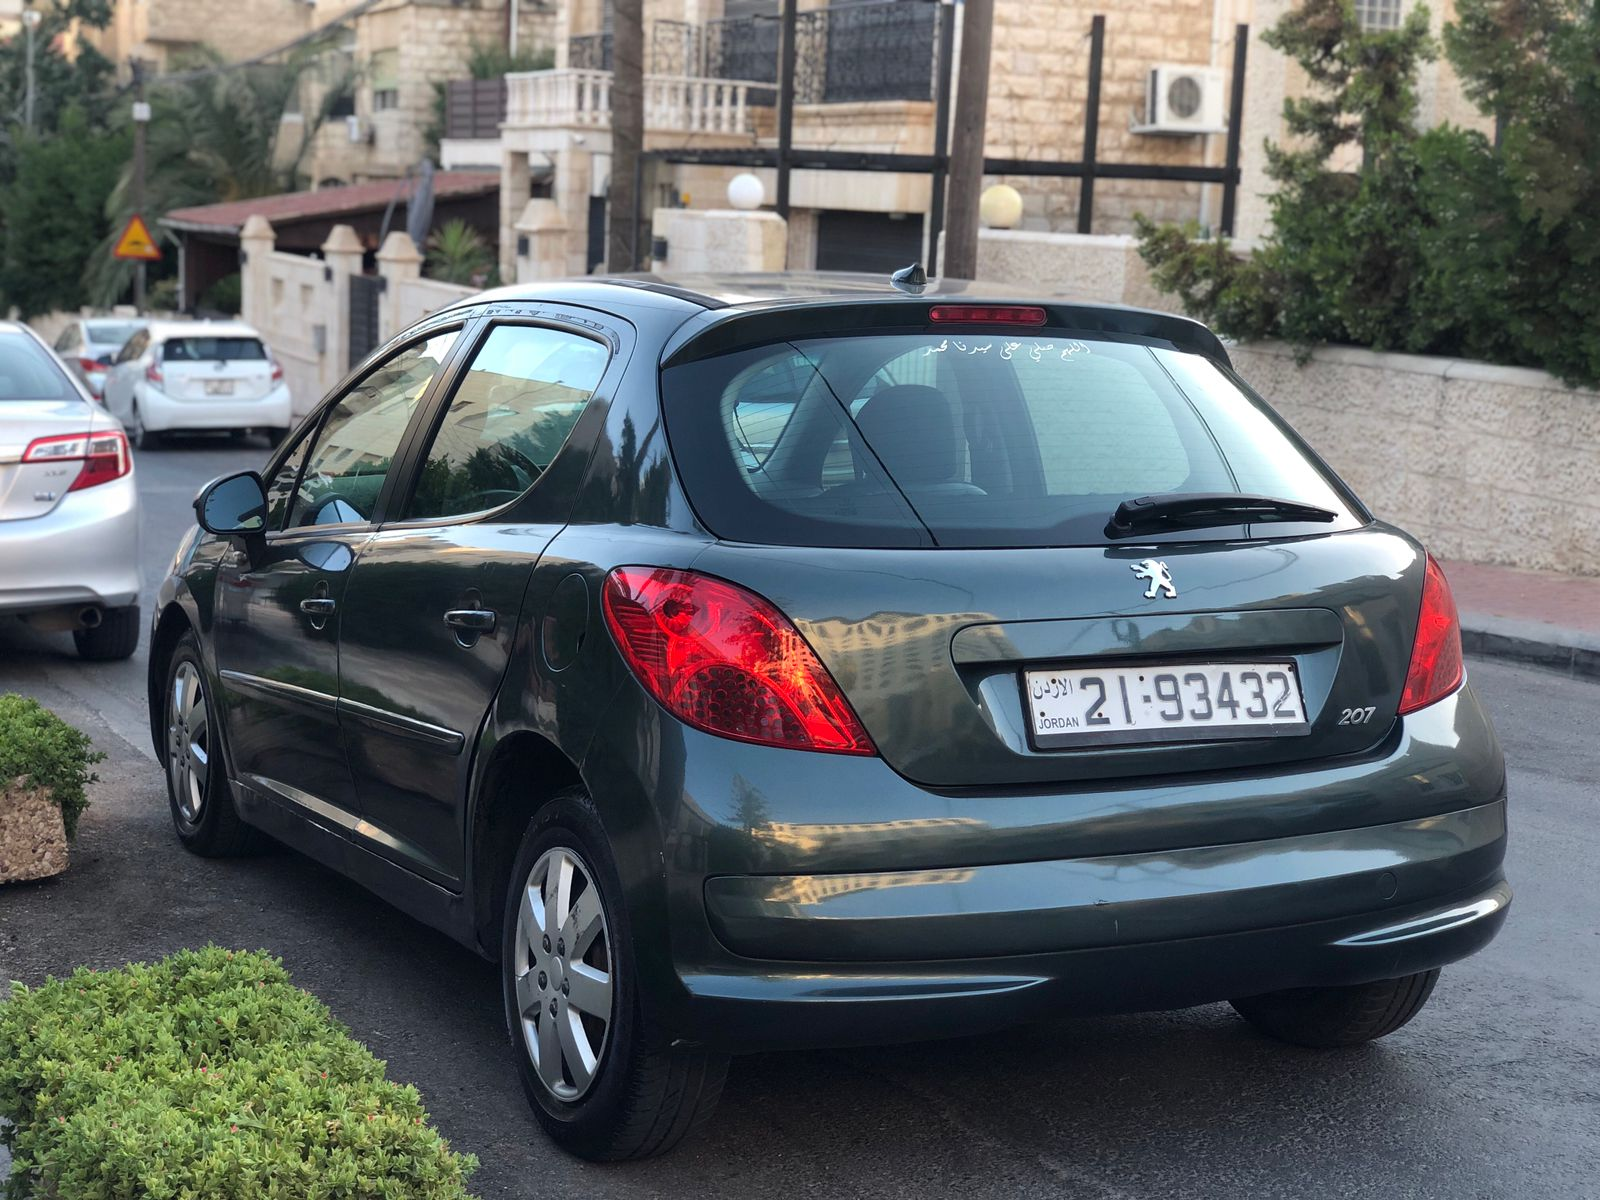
910, 280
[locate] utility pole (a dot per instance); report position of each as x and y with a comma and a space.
627, 134
966, 152
786, 64
30, 21
141, 118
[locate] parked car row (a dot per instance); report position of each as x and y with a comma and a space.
805, 661
69, 507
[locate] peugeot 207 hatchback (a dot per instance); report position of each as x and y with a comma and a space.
802, 661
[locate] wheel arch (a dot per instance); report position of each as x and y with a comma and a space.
170, 626
522, 772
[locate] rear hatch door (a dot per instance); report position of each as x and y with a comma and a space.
215, 368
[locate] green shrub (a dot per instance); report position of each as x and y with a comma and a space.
1441, 241
41, 749
206, 1074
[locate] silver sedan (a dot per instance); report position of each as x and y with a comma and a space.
69, 511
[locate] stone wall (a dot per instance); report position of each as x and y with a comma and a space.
1489, 464
1105, 269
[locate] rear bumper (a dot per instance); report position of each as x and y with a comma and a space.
766, 1005
85, 552
160, 413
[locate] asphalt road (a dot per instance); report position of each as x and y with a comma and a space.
1494, 1091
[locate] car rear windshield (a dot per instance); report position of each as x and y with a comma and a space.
973, 439
27, 372
213, 349
110, 333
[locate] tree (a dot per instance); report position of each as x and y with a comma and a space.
55, 212
627, 134
214, 135
458, 253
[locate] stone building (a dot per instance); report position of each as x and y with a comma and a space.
866, 83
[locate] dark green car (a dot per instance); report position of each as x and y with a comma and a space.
803, 661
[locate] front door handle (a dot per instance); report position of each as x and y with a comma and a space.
318, 606
471, 620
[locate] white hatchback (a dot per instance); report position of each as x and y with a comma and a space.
201, 376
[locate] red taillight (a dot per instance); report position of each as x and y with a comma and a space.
724, 660
91, 366
1436, 668
152, 374
104, 456
985, 314
277, 372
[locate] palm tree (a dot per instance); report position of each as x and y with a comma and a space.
216, 133
458, 253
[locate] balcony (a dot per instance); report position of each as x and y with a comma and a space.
580, 98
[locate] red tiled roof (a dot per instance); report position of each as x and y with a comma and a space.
325, 202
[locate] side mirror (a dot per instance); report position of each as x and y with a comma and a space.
234, 506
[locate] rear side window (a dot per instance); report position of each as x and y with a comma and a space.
213, 349
971, 440
27, 372
509, 417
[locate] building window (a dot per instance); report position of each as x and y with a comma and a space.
384, 73
1376, 16
387, 98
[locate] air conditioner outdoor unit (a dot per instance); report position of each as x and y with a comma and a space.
352, 128
1182, 100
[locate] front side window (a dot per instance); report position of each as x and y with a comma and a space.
973, 439
510, 414
134, 347
280, 487
355, 449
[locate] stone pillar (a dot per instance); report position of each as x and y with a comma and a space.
515, 184
256, 242
342, 252
541, 242
720, 240
399, 262
1266, 81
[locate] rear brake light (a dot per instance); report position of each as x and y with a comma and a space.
726, 661
91, 366
277, 372
104, 456
1436, 668
985, 314
152, 374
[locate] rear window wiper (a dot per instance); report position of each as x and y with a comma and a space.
1197, 510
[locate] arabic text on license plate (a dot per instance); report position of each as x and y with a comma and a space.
219, 387
1150, 703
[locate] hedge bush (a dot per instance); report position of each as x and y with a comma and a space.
1441, 241
43, 751
206, 1074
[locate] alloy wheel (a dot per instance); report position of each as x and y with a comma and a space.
188, 742
562, 966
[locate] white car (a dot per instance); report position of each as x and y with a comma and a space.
89, 345
69, 510
200, 376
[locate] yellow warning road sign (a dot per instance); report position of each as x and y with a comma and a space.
136, 242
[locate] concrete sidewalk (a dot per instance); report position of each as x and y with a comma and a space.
1540, 617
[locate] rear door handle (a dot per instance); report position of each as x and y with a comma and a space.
318, 606
471, 620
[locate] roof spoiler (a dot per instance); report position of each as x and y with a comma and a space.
709, 334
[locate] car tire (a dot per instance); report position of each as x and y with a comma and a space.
1329, 1018
276, 435
142, 438
203, 812
642, 1095
116, 637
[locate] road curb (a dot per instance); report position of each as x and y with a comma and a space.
1569, 651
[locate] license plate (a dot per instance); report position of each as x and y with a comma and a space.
1157, 703
219, 387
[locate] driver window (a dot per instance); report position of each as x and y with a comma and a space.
345, 472
511, 413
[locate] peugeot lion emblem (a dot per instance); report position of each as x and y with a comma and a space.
1160, 578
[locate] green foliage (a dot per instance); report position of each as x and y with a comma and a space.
207, 1074
1439, 243
55, 212
490, 60
458, 253
214, 135
223, 296
41, 749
